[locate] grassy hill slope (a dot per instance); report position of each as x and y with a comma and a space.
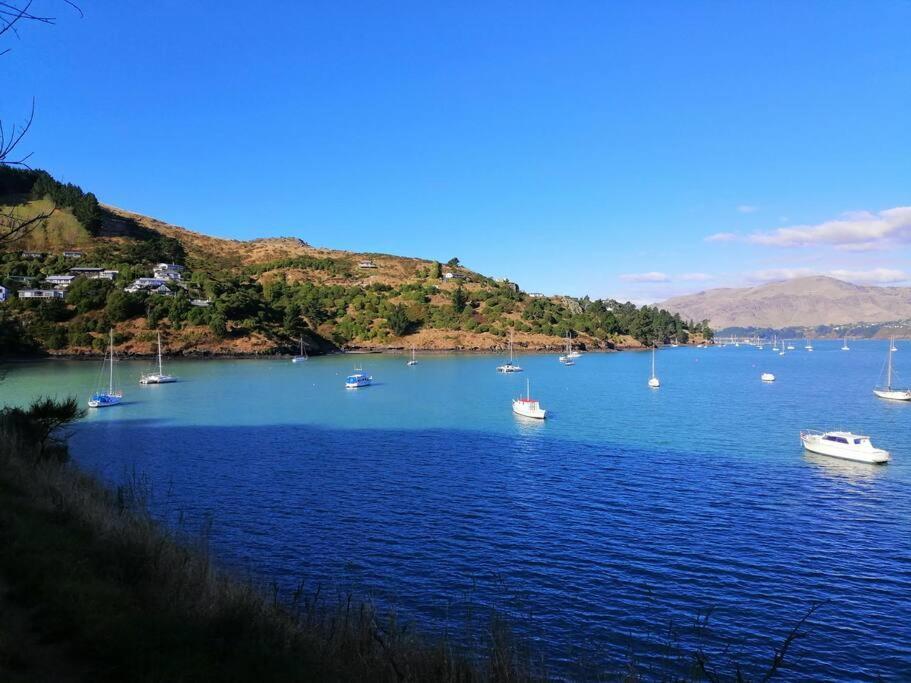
265, 294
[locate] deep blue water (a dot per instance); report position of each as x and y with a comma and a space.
626, 510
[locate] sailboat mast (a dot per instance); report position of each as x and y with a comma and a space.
889, 369
160, 370
653, 363
111, 383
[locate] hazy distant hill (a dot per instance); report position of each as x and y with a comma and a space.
801, 302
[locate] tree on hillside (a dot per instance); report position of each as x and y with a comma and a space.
453, 262
459, 299
398, 321
436, 271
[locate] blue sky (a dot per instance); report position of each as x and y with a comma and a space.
633, 150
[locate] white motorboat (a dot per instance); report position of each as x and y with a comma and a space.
845, 445
303, 354
527, 406
653, 381
157, 377
510, 365
887, 391
767, 377
413, 360
105, 399
358, 379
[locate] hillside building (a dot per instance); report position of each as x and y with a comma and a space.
40, 293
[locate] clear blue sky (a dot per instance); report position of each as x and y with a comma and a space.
581, 148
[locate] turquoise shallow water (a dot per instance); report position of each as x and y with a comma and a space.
626, 510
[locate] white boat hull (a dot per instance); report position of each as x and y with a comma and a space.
815, 444
653, 383
509, 368
299, 359
107, 402
157, 379
894, 394
525, 410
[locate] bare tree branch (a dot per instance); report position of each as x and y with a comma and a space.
14, 227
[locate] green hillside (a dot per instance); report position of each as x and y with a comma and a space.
260, 296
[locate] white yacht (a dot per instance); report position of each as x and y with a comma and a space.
303, 354
809, 346
105, 399
767, 377
358, 379
528, 406
892, 345
157, 377
413, 360
653, 381
887, 391
845, 445
510, 365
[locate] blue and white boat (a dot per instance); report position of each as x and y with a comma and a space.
358, 379
303, 355
104, 399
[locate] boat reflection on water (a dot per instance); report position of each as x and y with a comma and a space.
844, 469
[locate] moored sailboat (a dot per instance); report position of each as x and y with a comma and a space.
510, 365
303, 354
887, 391
653, 381
104, 399
413, 360
157, 377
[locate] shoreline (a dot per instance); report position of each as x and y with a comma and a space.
287, 356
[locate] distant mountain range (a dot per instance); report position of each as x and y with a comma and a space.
801, 302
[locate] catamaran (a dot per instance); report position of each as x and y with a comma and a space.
845, 445
887, 391
528, 406
104, 399
653, 381
157, 377
413, 360
510, 365
303, 354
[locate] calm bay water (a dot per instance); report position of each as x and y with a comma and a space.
628, 508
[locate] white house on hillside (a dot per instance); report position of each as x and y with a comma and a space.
4, 293
40, 293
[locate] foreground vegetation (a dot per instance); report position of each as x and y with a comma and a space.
263, 301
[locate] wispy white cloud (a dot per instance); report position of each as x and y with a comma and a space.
873, 276
775, 274
652, 276
747, 208
882, 276
721, 237
857, 231
697, 277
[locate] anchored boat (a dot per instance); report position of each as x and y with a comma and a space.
157, 377
844, 445
105, 399
528, 406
